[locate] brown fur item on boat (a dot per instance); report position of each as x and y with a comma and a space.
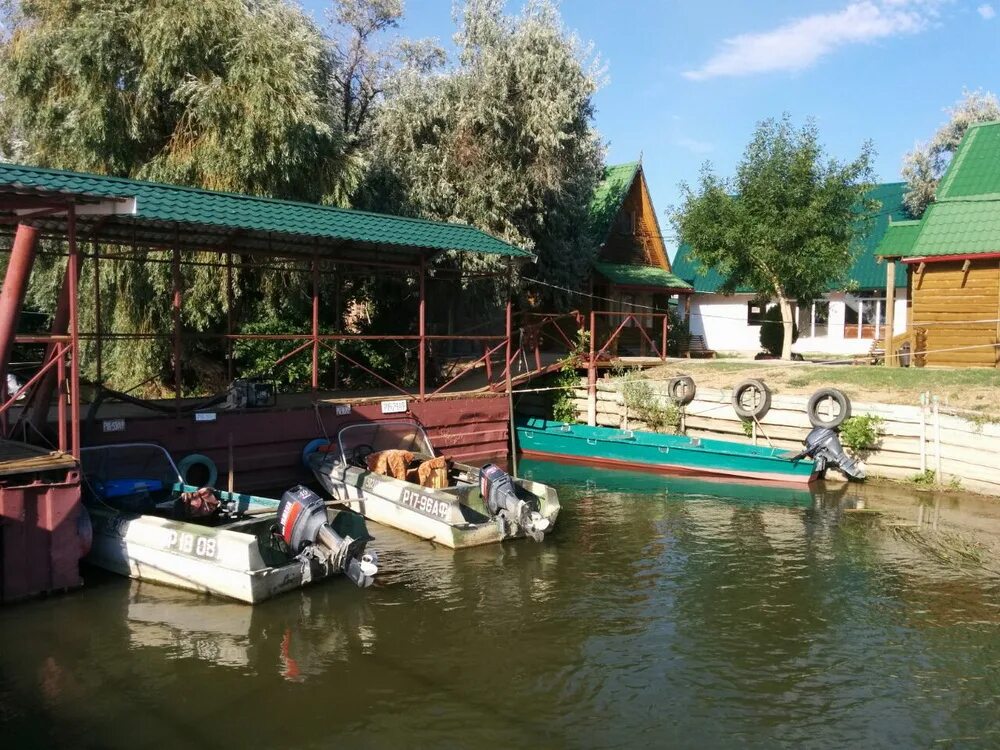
434, 473
197, 504
390, 463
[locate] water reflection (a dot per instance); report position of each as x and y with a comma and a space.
663, 610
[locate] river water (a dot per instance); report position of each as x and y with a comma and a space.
662, 612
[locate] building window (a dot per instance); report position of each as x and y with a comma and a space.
755, 313
863, 315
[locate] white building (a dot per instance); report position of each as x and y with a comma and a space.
841, 323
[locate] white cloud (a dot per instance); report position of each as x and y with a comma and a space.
799, 44
986, 11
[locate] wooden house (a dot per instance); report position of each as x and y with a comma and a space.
952, 255
631, 271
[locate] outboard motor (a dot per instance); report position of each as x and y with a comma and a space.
823, 445
302, 523
501, 500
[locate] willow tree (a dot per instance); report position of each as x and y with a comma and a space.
501, 138
223, 94
786, 225
925, 165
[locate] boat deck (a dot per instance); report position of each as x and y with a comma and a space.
21, 458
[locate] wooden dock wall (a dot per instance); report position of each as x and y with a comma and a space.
968, 451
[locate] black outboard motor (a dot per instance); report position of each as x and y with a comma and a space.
501, 500
823, 445
302, 523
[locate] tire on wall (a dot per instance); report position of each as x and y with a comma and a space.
751, 399
681, 390
202, 465
815, 411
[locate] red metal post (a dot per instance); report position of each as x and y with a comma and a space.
176, 313
98, 363
315, 325
592, 374
422, 356
510, 336
663, 345
15, 285
74, 331
61, 397
230, 294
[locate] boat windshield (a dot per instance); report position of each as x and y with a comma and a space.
115, 473
359, 440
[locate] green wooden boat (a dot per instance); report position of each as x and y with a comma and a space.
673, 454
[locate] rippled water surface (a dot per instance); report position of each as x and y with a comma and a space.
661, 613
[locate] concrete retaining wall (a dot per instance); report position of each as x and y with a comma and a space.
958, 450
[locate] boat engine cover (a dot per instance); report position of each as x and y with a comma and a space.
501, 500
302, 523
823, 445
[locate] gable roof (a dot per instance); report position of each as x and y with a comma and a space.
152, 212
634, 275
866, 271
609, 195
899, 238
964, 218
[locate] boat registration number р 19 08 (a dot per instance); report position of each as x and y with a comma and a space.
424, 504
192, 544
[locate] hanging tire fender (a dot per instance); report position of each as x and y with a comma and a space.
197, 459
681, 390
759, 395
824, 394
311, 447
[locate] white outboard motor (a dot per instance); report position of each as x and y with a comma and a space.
823, 445
501, 500
302, 523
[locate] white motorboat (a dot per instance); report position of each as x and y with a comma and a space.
454, 504
149, 525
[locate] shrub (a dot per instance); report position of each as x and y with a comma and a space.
642, 401
772, 331
861, 432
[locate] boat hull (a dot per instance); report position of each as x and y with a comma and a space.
671, 454
189, 556
433, 515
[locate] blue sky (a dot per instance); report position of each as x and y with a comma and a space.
687, 81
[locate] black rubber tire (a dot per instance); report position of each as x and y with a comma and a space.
812, 409
762, 407
681, 390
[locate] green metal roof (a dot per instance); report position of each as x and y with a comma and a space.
975, 169
866, 272
609, 195
898, 239
965, 216
209, 218
640, 276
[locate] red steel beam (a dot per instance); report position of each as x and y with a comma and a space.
74, 332
15, 286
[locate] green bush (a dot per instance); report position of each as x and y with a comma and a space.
772, 331
642, 401
567, 379
861, 432
678, 333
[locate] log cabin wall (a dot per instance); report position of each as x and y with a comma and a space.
959, 304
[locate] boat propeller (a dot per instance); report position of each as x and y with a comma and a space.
823, 446
302, 523
500, 496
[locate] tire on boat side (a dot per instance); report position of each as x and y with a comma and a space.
198, 460
759, 395
824, 394
681, 390
311, 447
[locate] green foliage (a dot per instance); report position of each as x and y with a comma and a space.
678, 333
503, 140
747, 426
772, 332
568, 379
644, 403
861, 432
925, 165
787, 224
926, 478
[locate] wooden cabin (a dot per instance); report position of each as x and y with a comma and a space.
952, 255
631, 272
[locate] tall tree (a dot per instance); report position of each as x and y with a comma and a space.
786, 225
925, 165
502, 139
